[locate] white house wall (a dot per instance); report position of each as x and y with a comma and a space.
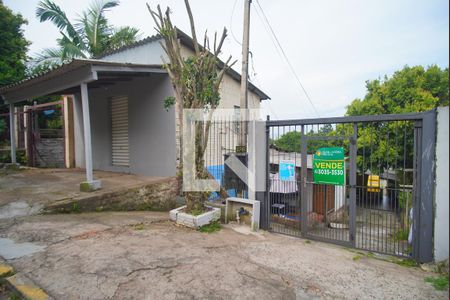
148, 54
151, 127
152, 53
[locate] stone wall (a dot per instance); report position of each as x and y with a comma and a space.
49, 153
156, 196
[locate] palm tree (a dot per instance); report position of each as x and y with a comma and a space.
90, 36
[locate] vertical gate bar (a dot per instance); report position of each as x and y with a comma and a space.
416, 189
267, 194
303, 179
404, 180
352, 204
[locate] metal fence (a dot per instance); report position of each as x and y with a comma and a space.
382, 204
223, 142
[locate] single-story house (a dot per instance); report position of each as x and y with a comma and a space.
119, 120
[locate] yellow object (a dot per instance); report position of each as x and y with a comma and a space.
5, 270
373, 184
27, 289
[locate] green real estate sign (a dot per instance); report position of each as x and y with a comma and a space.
329, 166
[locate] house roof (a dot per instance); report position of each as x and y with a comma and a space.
188, 42
66, 76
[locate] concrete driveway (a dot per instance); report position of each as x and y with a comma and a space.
144, 256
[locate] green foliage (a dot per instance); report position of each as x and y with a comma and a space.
21, 156
169, 102
90, 36
13, 46
210, 228
409, 263
412, 89
291, 141
401, 235
356, 258
439, 283
2, 126
405, 199
200, 84
55, 123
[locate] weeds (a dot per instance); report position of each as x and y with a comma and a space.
210, 228
440, 283
401, 235
138, 227
409, 263
356, 257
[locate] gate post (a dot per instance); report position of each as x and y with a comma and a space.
424, 190
352, 204
303, 183
257, 162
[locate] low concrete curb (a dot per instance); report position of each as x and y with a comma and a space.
26, 288
21, 284
5, 270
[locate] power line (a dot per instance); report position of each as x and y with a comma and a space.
286, 58
231, 23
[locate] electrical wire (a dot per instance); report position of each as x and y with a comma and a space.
231, 23
272, 33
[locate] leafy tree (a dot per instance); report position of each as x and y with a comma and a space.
291, 141
13, 46
382, 145
89, 36
412, 89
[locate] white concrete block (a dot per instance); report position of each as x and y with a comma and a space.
177, 215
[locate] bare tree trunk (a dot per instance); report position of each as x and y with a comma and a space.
207, 76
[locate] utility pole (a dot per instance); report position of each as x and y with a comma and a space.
244, 76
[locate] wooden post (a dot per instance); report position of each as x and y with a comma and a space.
244, 78
12, 133
87, 133
69, 132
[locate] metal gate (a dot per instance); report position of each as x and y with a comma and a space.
384, 203
40, 135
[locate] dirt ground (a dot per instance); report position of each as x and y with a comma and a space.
145, 256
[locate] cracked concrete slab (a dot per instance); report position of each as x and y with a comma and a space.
145, 256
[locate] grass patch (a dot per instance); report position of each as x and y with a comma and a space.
409, 263
307, 242
210, 228
439, 283
356, 257
138, 227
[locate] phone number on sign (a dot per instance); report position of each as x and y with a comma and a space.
328, 172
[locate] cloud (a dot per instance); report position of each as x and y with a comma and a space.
334, 46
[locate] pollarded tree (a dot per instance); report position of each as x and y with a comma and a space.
196, 80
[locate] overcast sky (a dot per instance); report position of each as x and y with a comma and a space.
334, 46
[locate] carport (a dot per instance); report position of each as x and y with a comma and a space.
92, 84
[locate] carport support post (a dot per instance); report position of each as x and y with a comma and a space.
90, 184
12, 130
